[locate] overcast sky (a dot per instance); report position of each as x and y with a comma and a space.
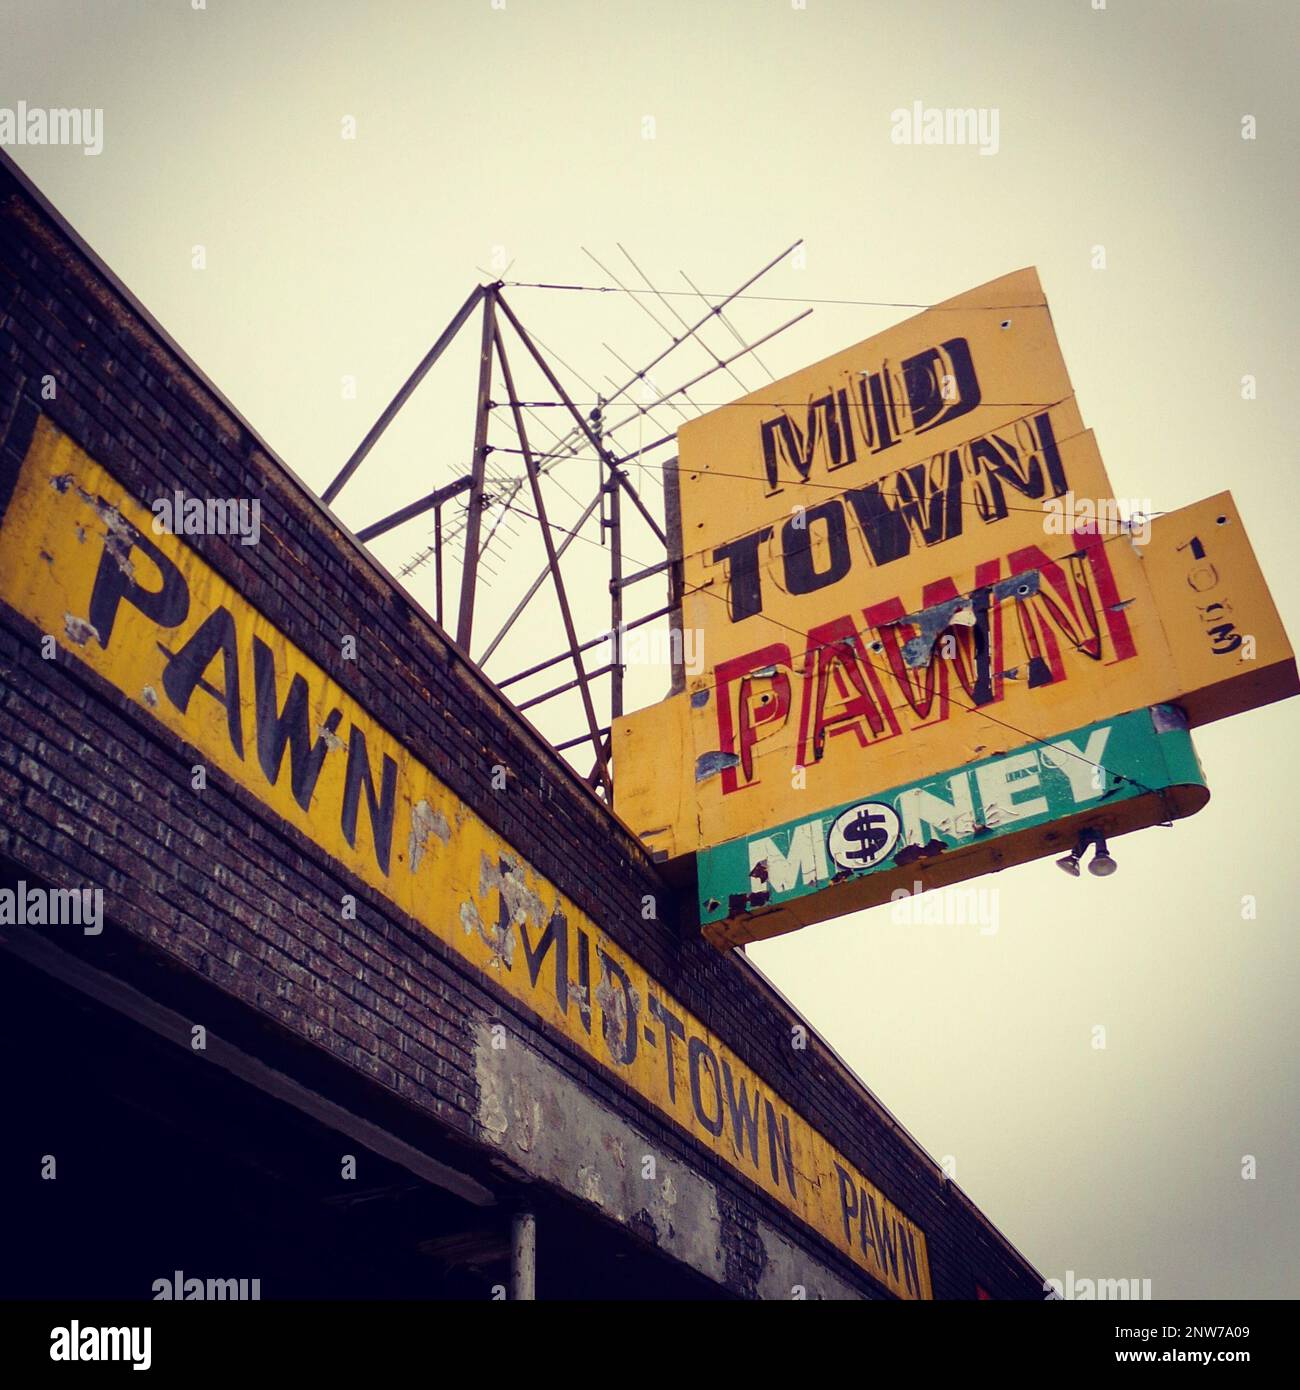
708, 138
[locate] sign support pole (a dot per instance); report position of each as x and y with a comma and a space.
474, 523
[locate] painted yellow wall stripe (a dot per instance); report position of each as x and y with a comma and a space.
82, 561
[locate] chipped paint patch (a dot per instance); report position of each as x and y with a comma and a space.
425, 821
1165, 718
710, 764
909, 854
589, 1186
330, 739
473, 924
614, 998
507, 878
79, 630
492, 1114
150, 696
526, 1113
118, 531
583, 1147
119, 534
968, 610
517, 904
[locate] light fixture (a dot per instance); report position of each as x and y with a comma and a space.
1102, 864
1070, 865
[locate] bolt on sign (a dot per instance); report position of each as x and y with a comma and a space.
908, 575
81, 561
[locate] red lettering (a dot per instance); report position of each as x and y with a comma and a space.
832, 658
771, 707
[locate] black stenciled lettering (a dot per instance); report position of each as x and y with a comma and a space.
185, 671
923, 381
554, 935
779, 1147
381, 807
673, 1028
848, 1201
697, 1051
996, 464
796, 544
742, 1114
115, 580
883, 526
881, 1226
744, 584
865, 1242
621, 1049
922, 502
877, 411
848, 453
276, 728
911, 1270
584, 980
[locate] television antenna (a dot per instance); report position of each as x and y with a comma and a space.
489, 499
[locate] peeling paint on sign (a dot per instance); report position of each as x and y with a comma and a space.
710, 764
425, 821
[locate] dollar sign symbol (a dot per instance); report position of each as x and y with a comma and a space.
869, 833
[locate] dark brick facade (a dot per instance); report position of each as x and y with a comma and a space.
230, 915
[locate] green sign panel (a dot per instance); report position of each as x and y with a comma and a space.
1112, 761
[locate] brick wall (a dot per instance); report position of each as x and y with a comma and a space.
94, 791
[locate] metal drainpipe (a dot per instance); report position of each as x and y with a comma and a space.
523, 1256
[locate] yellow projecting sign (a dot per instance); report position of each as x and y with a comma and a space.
905, 560
82, 561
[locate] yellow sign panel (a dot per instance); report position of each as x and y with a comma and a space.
1229, 648
890, 684
962, 387
1110, 627
821, 513
906, 559
83, 562
916, 455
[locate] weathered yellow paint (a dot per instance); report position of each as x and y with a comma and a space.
1212, 661
726, 493
805, 699
1013, 352
992, 400
69, 525
1229, 648
789, 777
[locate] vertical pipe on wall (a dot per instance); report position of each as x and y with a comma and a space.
523, 1256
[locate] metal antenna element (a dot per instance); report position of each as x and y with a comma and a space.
489, 499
